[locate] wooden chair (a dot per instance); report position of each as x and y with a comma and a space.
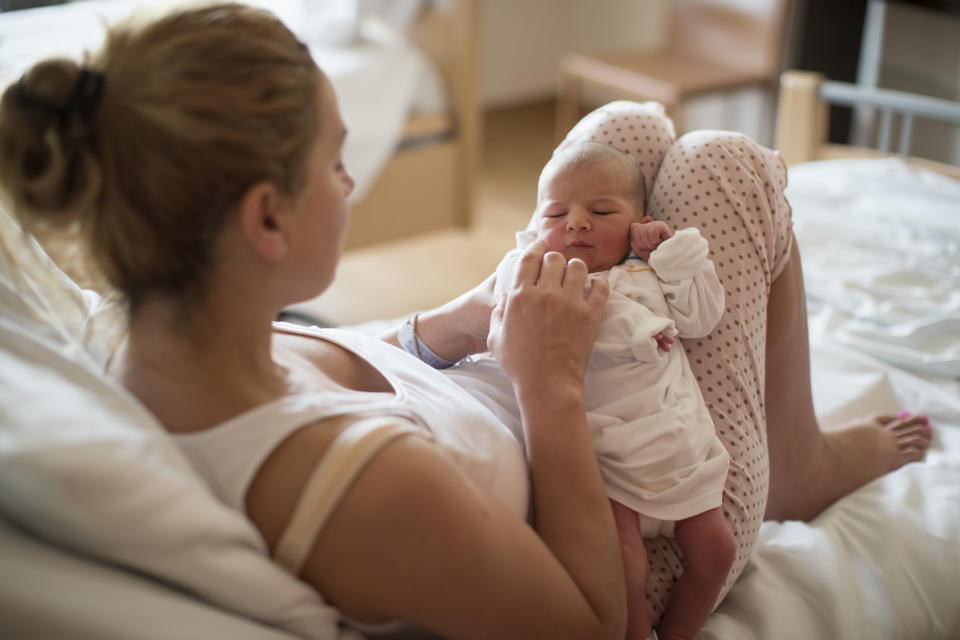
713, 45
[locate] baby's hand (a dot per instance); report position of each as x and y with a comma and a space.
663, 340
646, 235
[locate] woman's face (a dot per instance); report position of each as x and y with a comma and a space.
322, 204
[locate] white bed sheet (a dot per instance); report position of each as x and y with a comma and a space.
881, 248
380, 78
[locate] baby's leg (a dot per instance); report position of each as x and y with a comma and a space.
635, 567
708, 548
810, 469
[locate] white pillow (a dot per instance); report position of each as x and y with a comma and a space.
49, 592
83, 464
40, 298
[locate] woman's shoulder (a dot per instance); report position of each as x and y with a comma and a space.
339, 447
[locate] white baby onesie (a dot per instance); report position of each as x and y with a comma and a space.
654, 438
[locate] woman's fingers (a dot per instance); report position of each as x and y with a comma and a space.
597, 296
575, 276
528, 269
553, 270
549, 268
546, 325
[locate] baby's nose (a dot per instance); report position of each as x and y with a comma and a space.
578, 220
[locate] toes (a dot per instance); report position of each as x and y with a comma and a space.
913, 454
907, 421
883, 419
917, 441
910, 430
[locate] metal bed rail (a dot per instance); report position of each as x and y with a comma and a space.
890, 102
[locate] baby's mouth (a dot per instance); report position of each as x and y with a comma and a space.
579, 244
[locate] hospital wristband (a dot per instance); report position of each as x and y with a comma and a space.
412, 344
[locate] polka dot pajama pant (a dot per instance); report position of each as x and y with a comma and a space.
730, 188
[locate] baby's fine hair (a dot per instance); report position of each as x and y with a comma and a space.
591, 152
154, 141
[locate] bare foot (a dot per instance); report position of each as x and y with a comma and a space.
849, 457
891, 440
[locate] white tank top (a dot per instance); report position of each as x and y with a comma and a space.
228, 455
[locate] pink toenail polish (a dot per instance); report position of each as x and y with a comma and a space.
903, 414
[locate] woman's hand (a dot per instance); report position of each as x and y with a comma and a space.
542, 330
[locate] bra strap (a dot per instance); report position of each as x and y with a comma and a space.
343, 462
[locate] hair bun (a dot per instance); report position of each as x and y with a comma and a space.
82, 100
47, 129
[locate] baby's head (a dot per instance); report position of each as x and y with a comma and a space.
587, 196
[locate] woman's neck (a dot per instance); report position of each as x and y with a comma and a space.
197, 371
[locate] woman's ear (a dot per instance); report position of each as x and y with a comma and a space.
262, 221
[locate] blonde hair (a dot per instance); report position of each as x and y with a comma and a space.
589, 153
194, 108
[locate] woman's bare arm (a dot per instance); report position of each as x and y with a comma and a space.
414, 540
457, 328
542, 334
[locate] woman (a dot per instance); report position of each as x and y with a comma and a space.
202, 155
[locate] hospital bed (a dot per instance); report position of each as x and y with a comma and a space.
879, 236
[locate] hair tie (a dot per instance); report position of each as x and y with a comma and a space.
82, 101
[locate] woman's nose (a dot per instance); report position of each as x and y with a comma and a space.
348, 183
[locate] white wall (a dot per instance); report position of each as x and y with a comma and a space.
524, 40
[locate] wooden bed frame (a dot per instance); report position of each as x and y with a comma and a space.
803, 117
430, 181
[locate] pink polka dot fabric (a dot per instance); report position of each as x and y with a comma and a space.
730, 188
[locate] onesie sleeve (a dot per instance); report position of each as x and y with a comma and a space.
690, 284
635, 312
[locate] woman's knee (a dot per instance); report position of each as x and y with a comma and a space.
732, 189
